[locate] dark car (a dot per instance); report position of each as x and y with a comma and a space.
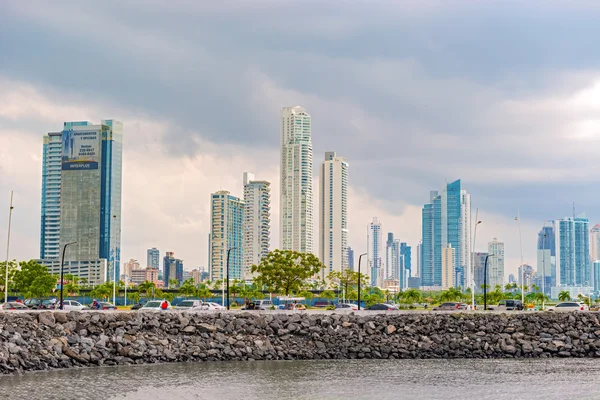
508, 305
451, 306
40, 304
14, 306
382, 307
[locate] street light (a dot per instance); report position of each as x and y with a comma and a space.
472, 272
485, 282
518, 219
8, 247
62, 270
228, 252
359, 259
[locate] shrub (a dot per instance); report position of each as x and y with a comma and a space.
330, 307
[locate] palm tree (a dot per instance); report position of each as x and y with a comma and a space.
187, 289
147, 286
412, 296
508, 287
327, 294
204, 293
173, 283
564, 296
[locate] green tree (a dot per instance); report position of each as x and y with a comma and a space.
347, 279
12, 270
173, 283
412, 296
286, 271
204, 293
564, 296
308, 295
187, 289
134, 297
147, 287
327, 294
103, 291
34, 280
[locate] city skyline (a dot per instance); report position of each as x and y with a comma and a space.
454, 109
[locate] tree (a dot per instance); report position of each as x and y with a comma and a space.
187, 289
34, 280
412, 296
12, 270
327, 294
564, 296
173, 283
306, 294
347, 279
204, 293
147, 286
134, 297
103, 291
286, 271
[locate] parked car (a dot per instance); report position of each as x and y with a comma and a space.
40, 303
382, 307
346, 306
154, 305
259, 305
13, 306
392, 306
452, 306
210, 306
568, 306
189, 305
105, 305
72, 305
294, 306
507, 305
595, 307
137, 306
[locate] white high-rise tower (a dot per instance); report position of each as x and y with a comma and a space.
257, 223
374, 256
333, 214
296, 202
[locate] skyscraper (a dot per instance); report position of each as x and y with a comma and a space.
595, 242
448, 267
51, 173
374, 259
90, 198
496, 263
546, 257
153, 258
406, 252
478, 270
169, 268
333, 211
445, 220
350, 258
257, 222
296, 201
573, 252
226, 232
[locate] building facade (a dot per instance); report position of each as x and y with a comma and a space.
546, 257
446, 221
50, 213
374, 256
145, 274
572, 252
333, 214
89, 201
350, 259
153, 258
448, 267
296, 199
478, 271
226, 234
129, 266
406, 252
257, 223
595, 242
496, 263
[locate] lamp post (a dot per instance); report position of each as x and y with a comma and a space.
228, 252
518, 218
359, 259
472, 272
125, 290
8, 247
62, 270
485, 283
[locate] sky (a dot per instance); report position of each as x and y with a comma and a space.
503, 95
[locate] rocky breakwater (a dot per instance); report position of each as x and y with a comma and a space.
48, 340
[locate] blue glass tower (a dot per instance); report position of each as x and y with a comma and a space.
573, 252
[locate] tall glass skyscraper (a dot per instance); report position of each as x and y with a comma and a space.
573, 252
406, 252
546, 257
153, 258
50, 215
446, 221
296, 201
496, 264
226, 232
90, 199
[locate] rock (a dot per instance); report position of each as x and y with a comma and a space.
60, 317
189, 329
207, 328
46, 318
390, 329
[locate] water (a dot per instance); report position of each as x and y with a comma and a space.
324, 380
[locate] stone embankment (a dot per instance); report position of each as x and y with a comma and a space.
47, 340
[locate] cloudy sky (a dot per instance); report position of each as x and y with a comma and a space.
503, 95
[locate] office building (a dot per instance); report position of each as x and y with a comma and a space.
546, 257
90, 200
50, 213
257, 223
478, 270
512, 279
153, 258
406, 252
145, 274
448, 267
527, 277
172, 269
596, 277
333, 214
374, 257
129, 266
350, 259
595, 242
496, 263
296, 200
572, 252
226, 233
445, 221
394, 261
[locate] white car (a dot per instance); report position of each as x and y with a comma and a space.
213, 306
189, 305
72, 305
154, 305
346, 306
568, 306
